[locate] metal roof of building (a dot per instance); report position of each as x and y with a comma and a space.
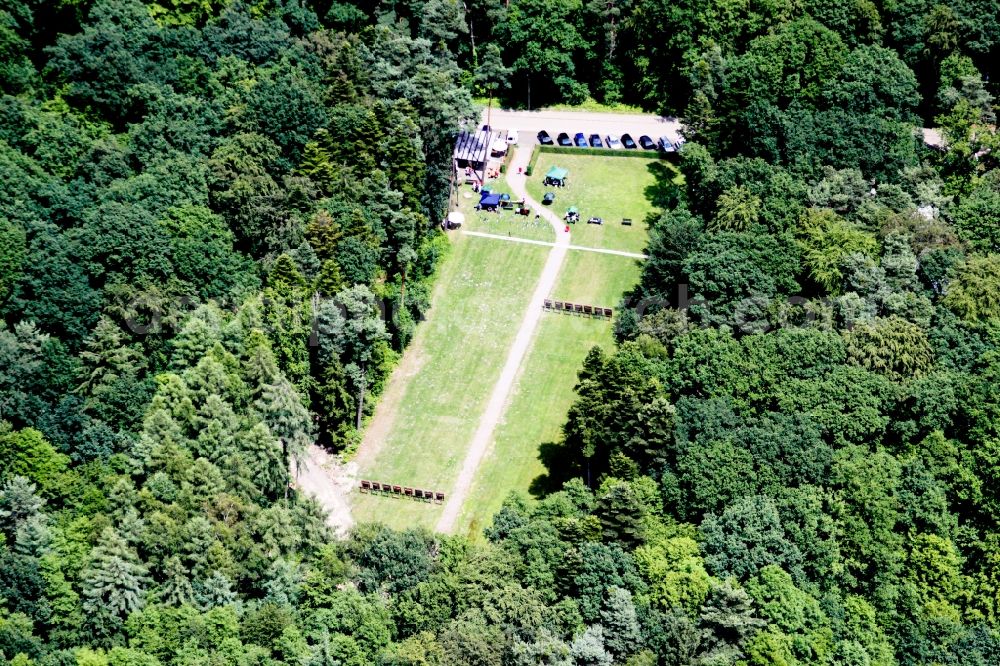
474, 146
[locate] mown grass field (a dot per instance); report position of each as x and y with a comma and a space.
544, 391
608, 187
592, 278
481, 295
456, 357
504, 222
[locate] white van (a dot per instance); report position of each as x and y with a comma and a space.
512, 136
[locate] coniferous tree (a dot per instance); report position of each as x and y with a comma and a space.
176, 589
218, 430
214, 591
265, 460
588, 648
33, 536
114, 585
18, 503
726, 620
287, 418
623, 635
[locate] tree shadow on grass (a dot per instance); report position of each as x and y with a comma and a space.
664, 193
553, 456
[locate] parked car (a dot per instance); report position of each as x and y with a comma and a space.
628, 142
646, 143
511, 137
544, 138
611, 141
666, 145
563, 139
595, 141
580, 140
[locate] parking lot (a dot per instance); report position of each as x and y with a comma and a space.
529, 123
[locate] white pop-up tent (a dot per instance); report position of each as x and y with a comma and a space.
455, 219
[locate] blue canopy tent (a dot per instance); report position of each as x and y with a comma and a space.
489, 201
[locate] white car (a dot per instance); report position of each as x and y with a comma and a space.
511, 137
611, 141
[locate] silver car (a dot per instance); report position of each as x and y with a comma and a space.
611, 141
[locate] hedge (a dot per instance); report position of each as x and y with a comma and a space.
601, 152
508, 156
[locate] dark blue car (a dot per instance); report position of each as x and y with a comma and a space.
580, 139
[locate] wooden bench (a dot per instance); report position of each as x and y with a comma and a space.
547, 304
367, 486
608, 312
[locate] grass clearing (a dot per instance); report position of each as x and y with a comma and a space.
608, 187
478, 303
544, 389
592, 278
504, 222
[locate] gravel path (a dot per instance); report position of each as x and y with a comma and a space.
324, 478
483, 437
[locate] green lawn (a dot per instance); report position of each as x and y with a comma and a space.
544, 390
504, 222
481, 294
608, 187
592, 278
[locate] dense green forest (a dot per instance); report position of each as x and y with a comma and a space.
216, 236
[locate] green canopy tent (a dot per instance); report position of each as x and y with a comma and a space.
556, 176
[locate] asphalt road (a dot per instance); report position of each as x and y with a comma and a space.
529, 123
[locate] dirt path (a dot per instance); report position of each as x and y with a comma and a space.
323, 477
500, 395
